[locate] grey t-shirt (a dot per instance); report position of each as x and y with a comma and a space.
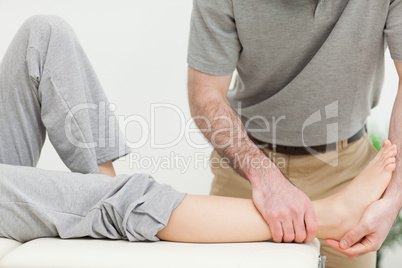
308, 71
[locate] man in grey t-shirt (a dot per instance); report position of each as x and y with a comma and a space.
308, 74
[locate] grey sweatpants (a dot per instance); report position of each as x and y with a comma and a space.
48, 85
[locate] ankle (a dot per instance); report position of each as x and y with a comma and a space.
330, 217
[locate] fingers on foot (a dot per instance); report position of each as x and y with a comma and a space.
288, 232
311, 225
277, 233
300, 231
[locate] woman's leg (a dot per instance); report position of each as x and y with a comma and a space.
48, 84
222, 219
35, 203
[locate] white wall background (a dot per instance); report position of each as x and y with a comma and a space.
138, 49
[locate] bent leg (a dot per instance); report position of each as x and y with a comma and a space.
22, 133
47, 83
36, 203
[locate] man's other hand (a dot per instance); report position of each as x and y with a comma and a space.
371, 231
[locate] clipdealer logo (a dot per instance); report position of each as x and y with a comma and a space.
331, 111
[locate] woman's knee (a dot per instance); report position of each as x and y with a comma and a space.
42, 20
44, 25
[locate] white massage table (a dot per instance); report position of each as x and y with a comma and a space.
58, 253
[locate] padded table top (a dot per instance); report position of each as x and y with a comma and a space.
6, 246
58, 253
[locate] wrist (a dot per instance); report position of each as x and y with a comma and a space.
392, 202
393, 194
263, 176
255, 177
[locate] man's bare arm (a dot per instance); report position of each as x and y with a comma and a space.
394, 191
286, 209
219, 123
379, 217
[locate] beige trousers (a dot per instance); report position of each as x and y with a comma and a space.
318, 178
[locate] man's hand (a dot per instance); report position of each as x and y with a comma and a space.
371, 231
379, 217
287, 210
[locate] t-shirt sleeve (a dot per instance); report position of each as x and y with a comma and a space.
393, 30
214, 45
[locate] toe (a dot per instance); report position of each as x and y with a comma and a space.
390, 167
390, 160
386, 143
380, 153
385, 148
388, 151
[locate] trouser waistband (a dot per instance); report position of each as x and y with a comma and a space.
295, 150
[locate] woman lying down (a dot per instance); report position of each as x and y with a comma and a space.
44, 76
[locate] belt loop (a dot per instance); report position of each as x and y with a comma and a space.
344, 144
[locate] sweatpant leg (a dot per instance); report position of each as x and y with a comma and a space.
47, 83
36, 203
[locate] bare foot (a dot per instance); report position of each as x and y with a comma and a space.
341, 212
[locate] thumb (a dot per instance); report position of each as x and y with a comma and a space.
352, 237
